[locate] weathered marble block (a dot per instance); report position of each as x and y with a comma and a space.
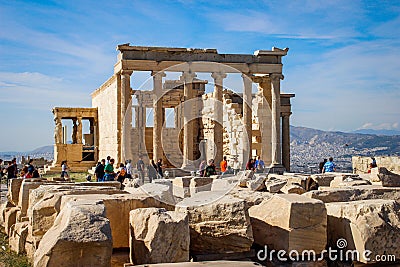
290, 222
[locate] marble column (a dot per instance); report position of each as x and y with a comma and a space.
125, 117
276, 113
247, 119
264, 97
286, 140
157, 115
79, 131
187, 77
218, 115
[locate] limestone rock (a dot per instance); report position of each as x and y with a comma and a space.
244, 176
292, 189
274, 185
181, 186
200, 184
323, 179
251, 198
17, 237
217, 224
158, 236
363, 192
256, 184
290, 222
160, 192
45, 202
81, 236
224, 184
10, 218
388, 178
117, 208
372, 225
340, 181
13, 190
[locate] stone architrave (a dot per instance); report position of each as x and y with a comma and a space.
158, 236
290, 222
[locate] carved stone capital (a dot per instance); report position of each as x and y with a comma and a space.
126, 72
286, 114
275, 77
188, 76
218, 77
158, 74
260, 79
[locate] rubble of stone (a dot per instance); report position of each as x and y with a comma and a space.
185, 218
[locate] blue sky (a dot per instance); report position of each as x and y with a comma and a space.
343, 63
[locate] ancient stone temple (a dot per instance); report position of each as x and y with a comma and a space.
233, 122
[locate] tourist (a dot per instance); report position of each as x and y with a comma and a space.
12, 170
250, 165
321, 165
129, 167
31, 168
64, 170
223, 165
159, 168
210, 169
260, 165
202, 167
140, 168
108, 160
236, 166
36, 174
99, 171
121, 174
329, 166
109, 173
373, 164
152, 170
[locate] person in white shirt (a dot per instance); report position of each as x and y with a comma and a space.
236, 166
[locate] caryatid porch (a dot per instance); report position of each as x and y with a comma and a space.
264, 68
81, 151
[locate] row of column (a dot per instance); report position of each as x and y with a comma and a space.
76, 131
270, 84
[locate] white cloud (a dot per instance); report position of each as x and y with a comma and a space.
380, 126
39, 91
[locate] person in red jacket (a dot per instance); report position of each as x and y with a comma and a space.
223, 165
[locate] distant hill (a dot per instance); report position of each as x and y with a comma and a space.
43, 150
309, 146
377, 132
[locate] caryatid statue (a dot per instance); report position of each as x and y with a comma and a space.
58, 131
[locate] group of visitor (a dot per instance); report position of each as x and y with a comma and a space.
205, 170
11, 171
104, 170
327, 166
256, 164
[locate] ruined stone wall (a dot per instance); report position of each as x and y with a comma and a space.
232, 124
107, 100
360, 164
